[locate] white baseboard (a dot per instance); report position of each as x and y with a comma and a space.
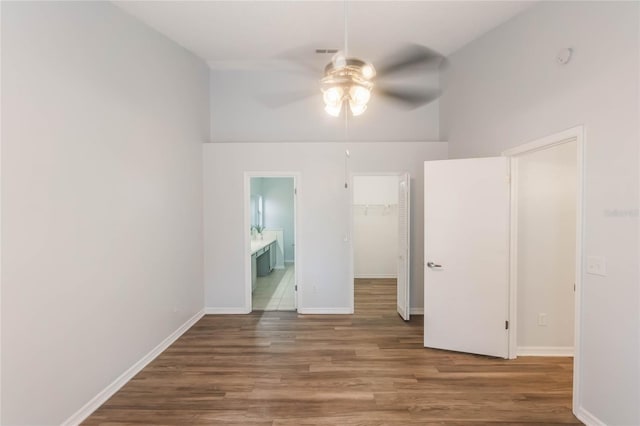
374, 276
226, 311
325, 311
416, 311
95, 402
545, 350
587, 418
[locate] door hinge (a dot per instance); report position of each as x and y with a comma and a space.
295, 287
506, 325
295, 191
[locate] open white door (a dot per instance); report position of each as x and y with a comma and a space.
466, 288
403, 280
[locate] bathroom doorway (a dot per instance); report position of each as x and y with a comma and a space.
271, 226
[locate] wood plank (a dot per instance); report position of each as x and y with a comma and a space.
283, 368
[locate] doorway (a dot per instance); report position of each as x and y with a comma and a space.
556, 165
544, 191
271, 234
530, 252
546, 229
380, 238
471, 249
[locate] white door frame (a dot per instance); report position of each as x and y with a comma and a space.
351, 227
573, 134
248, 306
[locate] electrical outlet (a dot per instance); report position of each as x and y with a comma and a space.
596, 265
542, 320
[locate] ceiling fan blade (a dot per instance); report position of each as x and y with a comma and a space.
410, 98
281, 99
412, 55
307, 58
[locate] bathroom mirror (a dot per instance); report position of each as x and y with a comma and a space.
256, 210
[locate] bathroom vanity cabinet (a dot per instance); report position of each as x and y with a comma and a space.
263, 259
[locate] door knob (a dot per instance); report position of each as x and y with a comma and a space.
433, 265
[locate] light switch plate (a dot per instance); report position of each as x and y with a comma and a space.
596, 265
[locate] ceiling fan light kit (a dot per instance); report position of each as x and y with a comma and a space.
347, 80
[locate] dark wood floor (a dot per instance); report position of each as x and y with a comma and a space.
281, 368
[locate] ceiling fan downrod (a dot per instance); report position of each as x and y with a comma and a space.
347, 80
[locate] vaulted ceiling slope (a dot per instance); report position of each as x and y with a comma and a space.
238, 34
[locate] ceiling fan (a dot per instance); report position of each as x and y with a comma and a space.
352, 81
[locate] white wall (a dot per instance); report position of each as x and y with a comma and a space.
239, 112
506, 89
278, 210
546, 206
102, 125
324, 214
375, 189
375, 226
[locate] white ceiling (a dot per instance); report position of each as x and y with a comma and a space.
230, 34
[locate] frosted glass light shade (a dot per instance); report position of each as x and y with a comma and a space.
368, 72
333, 110
333, 96
357, 109
359, 95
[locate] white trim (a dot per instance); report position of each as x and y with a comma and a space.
545, 351
374, 276
325, 311
587, 418
95, 402
1, 352
513, 256
1, 363
576, 133
416, 311
316, 141
581, 141
297, 183
248, 288
407, 254
226, 311
545, 142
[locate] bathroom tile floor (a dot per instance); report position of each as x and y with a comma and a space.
275, 292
